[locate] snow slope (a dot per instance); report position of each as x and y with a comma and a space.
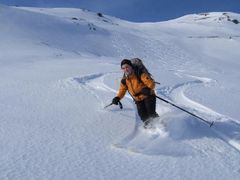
60, 67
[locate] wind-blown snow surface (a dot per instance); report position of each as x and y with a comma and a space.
60, 67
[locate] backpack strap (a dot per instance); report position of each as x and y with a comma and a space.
138, 72
123, 81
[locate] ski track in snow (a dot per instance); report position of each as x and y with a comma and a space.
232, 136
159, 141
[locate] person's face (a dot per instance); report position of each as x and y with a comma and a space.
127, 69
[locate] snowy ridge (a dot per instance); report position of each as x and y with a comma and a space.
60, 68
213, 17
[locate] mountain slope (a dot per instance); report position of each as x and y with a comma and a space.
60, 67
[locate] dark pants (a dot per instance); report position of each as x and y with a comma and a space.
147, 108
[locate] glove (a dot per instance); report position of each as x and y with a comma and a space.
146, 91
115, 100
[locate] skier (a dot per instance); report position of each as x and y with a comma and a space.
141, 89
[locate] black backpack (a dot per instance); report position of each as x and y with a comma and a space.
139, 68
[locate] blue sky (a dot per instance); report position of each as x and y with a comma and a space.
138, 10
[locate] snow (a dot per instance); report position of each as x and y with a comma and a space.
60, 67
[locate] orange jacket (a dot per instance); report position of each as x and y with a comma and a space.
134, 87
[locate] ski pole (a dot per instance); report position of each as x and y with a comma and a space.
108, 105
209, 123
120, 105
